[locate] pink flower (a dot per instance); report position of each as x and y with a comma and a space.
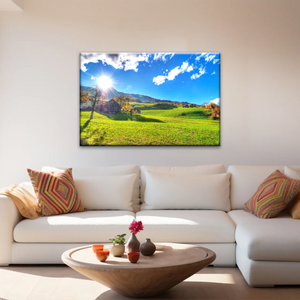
136, 226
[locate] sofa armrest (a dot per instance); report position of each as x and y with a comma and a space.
9, 218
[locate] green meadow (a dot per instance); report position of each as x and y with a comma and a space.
158, 125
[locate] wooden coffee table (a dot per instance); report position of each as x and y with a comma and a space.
150, 276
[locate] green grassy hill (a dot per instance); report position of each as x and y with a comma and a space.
159, 124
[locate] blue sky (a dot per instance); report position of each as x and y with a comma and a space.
190, 77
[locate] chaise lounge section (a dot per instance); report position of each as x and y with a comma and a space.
267, 250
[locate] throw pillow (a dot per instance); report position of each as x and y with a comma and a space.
192, 171
106, 192
28, 187
166, 191
24, 201
273, 195
56, 193
294, 208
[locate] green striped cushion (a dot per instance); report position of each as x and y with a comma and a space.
273, 195
56, 192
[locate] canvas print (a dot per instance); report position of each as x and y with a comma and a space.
150, 99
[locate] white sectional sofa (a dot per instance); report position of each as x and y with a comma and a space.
265, 250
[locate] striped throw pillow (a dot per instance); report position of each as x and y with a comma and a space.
273, 195
56, 192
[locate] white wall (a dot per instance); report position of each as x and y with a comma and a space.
39, 78
11, 5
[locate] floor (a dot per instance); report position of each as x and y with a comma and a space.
62, 283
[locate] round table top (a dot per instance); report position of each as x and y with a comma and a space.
166, 255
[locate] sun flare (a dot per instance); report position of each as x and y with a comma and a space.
104, 82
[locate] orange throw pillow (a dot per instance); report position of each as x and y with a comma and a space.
295, 209
273, 195
25, 202
56, 192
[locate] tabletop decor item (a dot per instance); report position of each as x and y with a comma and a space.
101, 253
150, 99
133, 245
133, 256
147, 248
97, 248
118, 247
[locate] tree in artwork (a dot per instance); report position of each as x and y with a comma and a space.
124, 102
95, 98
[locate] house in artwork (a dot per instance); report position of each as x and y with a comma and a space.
137, 111
109, 107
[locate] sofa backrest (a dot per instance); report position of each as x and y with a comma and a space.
108, 171
194, 171
245, 180
296, 168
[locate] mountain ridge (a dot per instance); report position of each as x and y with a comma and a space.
138, 97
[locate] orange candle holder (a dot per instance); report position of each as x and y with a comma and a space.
133, 256
102, 255
97, 248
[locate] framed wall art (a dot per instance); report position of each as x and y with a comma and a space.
150, 99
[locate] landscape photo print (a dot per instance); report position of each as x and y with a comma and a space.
150, 99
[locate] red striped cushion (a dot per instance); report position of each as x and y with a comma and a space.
273, 195
56, 193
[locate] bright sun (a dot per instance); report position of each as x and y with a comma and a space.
104, 82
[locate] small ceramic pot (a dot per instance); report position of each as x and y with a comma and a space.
97, 248
147, 248
102, 255
117, 250
133, 256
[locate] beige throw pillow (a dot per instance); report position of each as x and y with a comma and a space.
168, 191
24, 201
106, 192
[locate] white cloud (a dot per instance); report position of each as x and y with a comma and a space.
158, 80
201, 72
216, 101
201, 55
163, 56
209, 57
126, 61
172, 74
189, 69
184, 66
213, 73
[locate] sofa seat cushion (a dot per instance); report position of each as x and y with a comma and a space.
81, 227
186, 226
275, 239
